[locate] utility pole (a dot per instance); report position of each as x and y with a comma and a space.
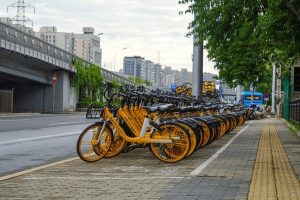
278, 92
20, 19
197, 78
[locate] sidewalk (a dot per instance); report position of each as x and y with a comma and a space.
222, 170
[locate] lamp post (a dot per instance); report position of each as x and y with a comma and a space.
100, 47
99, 34
115, 55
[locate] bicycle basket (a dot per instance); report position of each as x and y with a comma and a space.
94, 112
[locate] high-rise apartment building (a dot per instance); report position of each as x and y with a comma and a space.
135, 67
170, 76
185, 76
85, 46
156, 80
62, 40
150, 70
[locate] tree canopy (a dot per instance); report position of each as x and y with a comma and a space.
140, 81
243, 37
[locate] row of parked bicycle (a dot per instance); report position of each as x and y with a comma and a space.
171, 126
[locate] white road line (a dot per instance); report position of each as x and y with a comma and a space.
12, 120
11, 116
64, 123
3, 178
197, 171
39, 138
101, 178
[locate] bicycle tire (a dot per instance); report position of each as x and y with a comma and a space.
175, 151
88, 139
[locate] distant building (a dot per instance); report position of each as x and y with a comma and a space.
6, 20
135, 66
209, 76
9, 21
62, 40
85, 46
150, 70
185, 76
156, 80
169, 79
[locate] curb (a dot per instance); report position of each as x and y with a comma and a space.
292, 127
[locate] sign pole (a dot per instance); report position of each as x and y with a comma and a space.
54, 81
273, 88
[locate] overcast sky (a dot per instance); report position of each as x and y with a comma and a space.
149, 28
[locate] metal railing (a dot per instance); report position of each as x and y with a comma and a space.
294, 111
16, 40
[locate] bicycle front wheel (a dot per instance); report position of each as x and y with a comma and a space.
93, 145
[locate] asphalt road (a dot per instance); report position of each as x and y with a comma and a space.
28, 141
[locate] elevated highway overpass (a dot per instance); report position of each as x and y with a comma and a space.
28, 66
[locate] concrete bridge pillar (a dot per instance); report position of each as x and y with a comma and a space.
64, 93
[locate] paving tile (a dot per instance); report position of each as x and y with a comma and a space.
138, 175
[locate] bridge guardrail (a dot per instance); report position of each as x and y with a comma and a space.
19, 41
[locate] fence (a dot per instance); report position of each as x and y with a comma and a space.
294, 114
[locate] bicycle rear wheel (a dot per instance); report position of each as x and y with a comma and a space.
91, 145
175, 151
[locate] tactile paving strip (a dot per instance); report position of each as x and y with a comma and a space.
273, 176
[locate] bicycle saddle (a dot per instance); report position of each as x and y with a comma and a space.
151, 108
214, 106
206, 108
165, 107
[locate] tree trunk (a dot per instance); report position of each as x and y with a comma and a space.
293, 9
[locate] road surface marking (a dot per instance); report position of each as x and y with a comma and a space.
12, 120
12, 116
65, 123
38, 138
197, 171
3, 178
102, 178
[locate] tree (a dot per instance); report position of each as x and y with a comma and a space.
244, 37
140, 81
89, 82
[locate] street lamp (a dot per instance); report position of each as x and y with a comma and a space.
100, 47
115, 55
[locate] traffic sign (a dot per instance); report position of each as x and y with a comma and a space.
173, 86
54, 78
